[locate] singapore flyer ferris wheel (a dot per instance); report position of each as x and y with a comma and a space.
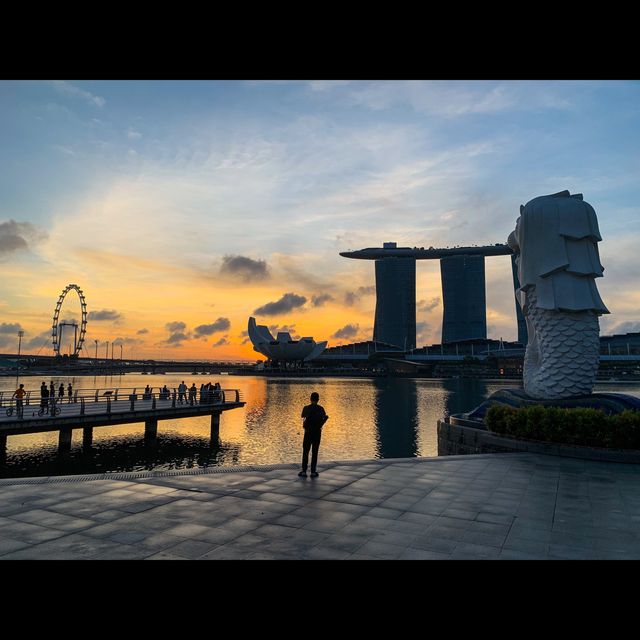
57, 327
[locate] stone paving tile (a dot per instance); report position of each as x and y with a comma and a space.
404, 526
512, 554
30, 533
65, 548
163, 555
382, 550
7, 545
485, 539
53, 520
526, 545
567, 552
227, 552
191, 549
430, 543
156, 542
471, 551
422, 554
538, 506
344, 541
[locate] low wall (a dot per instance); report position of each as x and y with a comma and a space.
461, 437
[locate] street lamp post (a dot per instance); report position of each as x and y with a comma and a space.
20, 334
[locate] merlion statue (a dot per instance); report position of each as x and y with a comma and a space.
555, 241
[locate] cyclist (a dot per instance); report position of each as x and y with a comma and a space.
19, 395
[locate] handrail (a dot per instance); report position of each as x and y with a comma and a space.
108, 396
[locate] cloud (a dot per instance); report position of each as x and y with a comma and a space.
104, 314
16, 236
221, 342
288, 302
318, 301
422, 329
221, 324
175, 326
351, 297
428, 305
176, 338
39, 341
625, 327
66, 88
141, 331
129, 341
449, 99
133, 135
245, 268
10, 327
348, 331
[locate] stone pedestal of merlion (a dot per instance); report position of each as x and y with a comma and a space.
556, 245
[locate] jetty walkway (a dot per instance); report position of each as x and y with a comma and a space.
89, 408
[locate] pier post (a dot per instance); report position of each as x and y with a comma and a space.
215, 426
150, 428
87, 437
64, 440
3, 448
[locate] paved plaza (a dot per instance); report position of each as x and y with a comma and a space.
484, 507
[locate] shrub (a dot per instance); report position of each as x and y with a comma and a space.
588, 427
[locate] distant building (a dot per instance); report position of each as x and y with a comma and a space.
463, 298
283, 347
463, 291
395, 318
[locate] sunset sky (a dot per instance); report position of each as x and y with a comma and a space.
181, 208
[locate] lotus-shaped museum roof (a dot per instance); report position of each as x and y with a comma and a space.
284, 347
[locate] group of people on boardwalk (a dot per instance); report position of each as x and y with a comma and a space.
209, 392
47, 396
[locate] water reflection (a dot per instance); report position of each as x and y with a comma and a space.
171, 450
396, 417
463, 394
369, 418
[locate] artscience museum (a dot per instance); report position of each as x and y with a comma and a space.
283, 347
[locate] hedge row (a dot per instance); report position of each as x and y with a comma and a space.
589, 427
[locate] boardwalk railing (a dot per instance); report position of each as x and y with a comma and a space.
105, 401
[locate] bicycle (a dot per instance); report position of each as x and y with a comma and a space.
19, 413
53, 411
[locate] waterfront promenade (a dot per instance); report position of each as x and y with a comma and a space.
496, 506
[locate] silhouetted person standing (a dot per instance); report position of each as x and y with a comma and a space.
314, 417
44, 397
70, 392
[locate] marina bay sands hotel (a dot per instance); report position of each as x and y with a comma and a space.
463, 292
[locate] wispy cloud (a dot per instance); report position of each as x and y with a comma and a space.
105, 314
246, 269
320, 300
347, 332
16, 236
221, 324
10, 327
66, 88
288, 302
